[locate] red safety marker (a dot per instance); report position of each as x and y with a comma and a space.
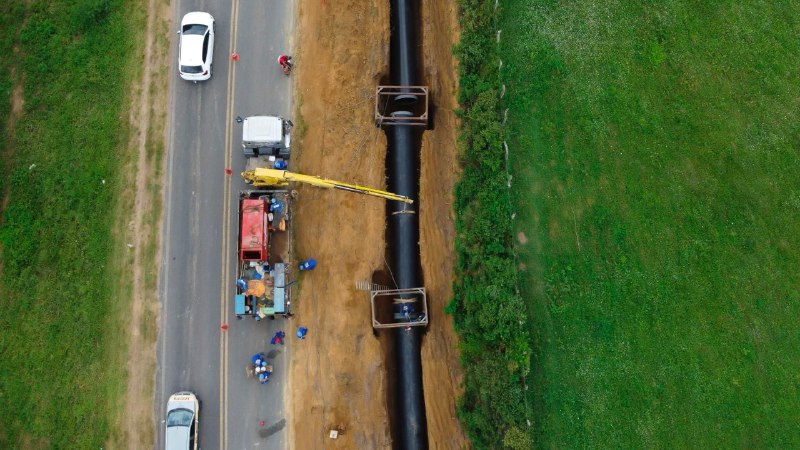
228, 171
235, 56
224, 327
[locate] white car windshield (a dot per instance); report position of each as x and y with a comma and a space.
194, 28
179, 418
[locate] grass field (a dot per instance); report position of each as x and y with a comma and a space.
655, 150
58, 388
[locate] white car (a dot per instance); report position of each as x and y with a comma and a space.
183, 414
196, 46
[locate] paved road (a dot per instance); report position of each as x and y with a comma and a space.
199, 234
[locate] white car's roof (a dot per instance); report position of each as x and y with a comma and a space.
177, 438
202, 18
192, 50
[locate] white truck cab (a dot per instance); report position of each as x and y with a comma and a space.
266, 136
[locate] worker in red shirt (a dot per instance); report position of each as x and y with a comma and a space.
286, 62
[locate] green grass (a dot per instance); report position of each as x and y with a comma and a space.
655, 148
488, 313
75, 60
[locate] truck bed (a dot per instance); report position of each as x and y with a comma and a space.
262, 285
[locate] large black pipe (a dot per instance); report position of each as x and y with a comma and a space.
403, 42
403, 178
410, 426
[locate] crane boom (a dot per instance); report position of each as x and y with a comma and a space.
261, 177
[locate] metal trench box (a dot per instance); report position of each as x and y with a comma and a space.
401, 105
417, 295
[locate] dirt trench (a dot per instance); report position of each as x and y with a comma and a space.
339, 378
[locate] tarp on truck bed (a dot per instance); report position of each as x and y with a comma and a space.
253, 233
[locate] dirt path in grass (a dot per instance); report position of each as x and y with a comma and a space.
17, 99
339, 372
137, 232
17, 103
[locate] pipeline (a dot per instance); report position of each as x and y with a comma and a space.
402, 164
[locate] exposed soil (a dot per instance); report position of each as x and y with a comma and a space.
17, 100
441, 371
339, 378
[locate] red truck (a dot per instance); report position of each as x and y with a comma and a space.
262, 271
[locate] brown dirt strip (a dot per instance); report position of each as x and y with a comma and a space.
139, 213
339, 372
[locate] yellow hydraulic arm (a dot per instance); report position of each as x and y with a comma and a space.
275, 177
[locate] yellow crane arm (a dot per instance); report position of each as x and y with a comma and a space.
274, 177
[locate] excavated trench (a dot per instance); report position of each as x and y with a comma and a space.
407, 408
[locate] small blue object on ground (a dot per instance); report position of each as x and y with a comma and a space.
301, 332
280, 164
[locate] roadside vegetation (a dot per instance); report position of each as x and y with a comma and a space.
489, 315
654, 150
73, 61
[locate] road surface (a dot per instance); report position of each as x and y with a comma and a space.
200, 231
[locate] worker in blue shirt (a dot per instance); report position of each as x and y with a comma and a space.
301, 332
278, 338
258, 358
308, 264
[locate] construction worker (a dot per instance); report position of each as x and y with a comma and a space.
263, 377
301, 332
258, 358
275, 206
286, 63
406, 313
308, 264
278, 338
